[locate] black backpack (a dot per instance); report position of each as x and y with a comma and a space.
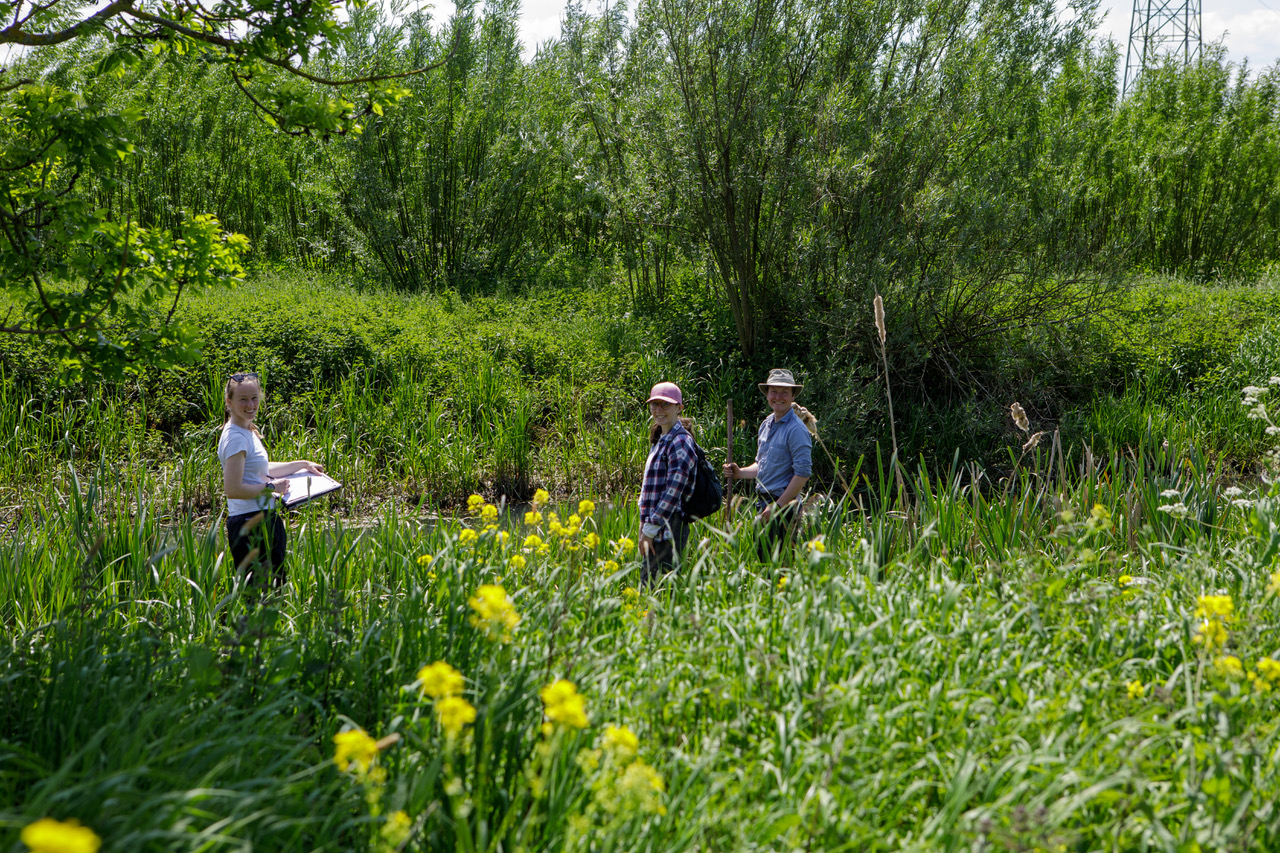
706, 497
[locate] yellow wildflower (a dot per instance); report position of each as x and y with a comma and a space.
586, 507
540, 497
1228, 666
621, 740
493, 610
454, 712
591, 540
631, 594
440, 680
354, 747
1124, 580
588, 760
532, 541
608, 567
533, 518
574, 520
1211, 634
467, 537
1136, 689
47, 835
396, 829
474, 503
488, 512
1269, 671
517, 561
1099, 519
564, 704
626, 545
782, 583
816, 545
502, 536
1215, 607
431, 576
424, 560
556, 528
639, 788
552, 518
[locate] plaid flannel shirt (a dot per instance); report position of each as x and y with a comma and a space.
668, 480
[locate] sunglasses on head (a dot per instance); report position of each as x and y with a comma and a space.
240, 377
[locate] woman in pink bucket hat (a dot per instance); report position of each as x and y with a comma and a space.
668, 482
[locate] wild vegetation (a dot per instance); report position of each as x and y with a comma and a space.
460, 271
1071, 662
1069, 650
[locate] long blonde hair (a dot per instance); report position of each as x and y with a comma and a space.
230, 391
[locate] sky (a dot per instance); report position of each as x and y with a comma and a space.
1248, 28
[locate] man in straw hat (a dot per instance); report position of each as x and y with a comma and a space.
783, 464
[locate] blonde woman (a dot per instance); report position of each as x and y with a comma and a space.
253, 485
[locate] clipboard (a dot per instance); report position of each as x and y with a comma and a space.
304, 488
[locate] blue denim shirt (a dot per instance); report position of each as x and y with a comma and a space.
784, 450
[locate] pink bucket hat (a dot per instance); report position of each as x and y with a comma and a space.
667, 392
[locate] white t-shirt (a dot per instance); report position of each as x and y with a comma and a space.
234, 440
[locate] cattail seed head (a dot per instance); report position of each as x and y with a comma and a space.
806, 417
1020, 418
879, 303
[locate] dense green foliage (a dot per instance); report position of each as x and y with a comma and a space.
99, 283
745, 174
422, 400
973, 162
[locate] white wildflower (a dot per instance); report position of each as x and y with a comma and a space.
1178, 510
1232, 492
1242, 503
1170, 493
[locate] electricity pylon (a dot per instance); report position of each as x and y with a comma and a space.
1161, 27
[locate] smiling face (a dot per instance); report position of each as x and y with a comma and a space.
780, 397
244, 399
664, 414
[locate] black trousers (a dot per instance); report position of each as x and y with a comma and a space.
775, 536
665, 556
264, 533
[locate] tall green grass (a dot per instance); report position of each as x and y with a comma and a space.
962, 665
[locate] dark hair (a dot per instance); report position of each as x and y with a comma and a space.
655, 431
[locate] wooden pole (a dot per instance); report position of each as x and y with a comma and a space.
728, 457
